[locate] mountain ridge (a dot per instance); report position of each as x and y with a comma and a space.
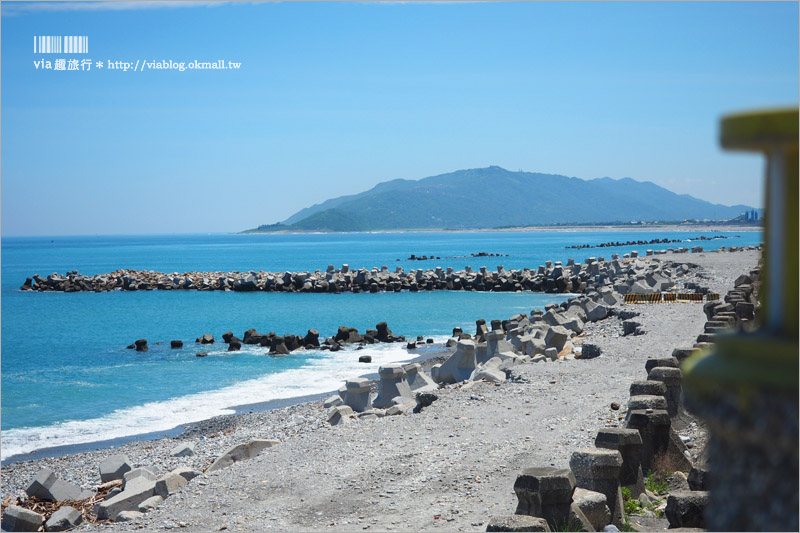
493, 197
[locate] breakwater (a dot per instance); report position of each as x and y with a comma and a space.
552, 277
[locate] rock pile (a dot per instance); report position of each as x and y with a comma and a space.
551, 277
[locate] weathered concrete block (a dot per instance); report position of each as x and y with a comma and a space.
490, 372
648, 388
687, 509
19, 519
341, 414
184, 449
242, 452
654, 429
598, 469
114, 467
647, 402
392, 383
170, 482
138, 490
556, 337
459, 366
63, 519
417, 379
46, 486
545, 493
136, 473
332, 401
672, 378
517, 522
593, 505
628, 442
669, 362
357, 394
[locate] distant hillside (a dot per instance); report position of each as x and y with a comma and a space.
494, 197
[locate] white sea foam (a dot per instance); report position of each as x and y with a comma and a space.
318, 375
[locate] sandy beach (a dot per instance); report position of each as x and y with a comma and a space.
450, 467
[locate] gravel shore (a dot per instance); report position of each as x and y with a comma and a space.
450, 467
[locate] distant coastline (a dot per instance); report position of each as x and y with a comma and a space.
592, 227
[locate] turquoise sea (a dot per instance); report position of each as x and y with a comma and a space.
67, 378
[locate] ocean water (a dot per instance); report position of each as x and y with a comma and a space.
68, 379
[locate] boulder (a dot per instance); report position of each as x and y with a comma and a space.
687, 509
311, 338
114, 467
176, 344
141, 345
64, 519
241, 452
207, 339
16, 518
589, 351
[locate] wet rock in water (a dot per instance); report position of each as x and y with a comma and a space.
201, 354
176, 344
411, 346
130, 347
278, 346
311, 339
227, 336
365, 359
206, 339
141, 345
234, 345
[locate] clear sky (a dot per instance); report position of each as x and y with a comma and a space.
332, 98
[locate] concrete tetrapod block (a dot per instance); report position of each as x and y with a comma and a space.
687, 509
19, 519
418, 380
357, 394
332, 401
672, 378
138, 490
594, 507
459, 366
545, 493
669, 362
392, 384
63, 519
490, 371
340, 414
648, 388
136, 473
242, 452
46, 486
598, 469
517, 522
114, 467
654, 429
643, 401
150, 503
497, 346
628, 442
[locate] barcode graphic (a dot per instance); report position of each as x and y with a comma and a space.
58, 44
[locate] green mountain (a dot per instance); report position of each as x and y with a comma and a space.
494, 197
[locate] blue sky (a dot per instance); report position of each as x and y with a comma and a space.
332, 98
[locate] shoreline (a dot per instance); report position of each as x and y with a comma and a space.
200, 426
